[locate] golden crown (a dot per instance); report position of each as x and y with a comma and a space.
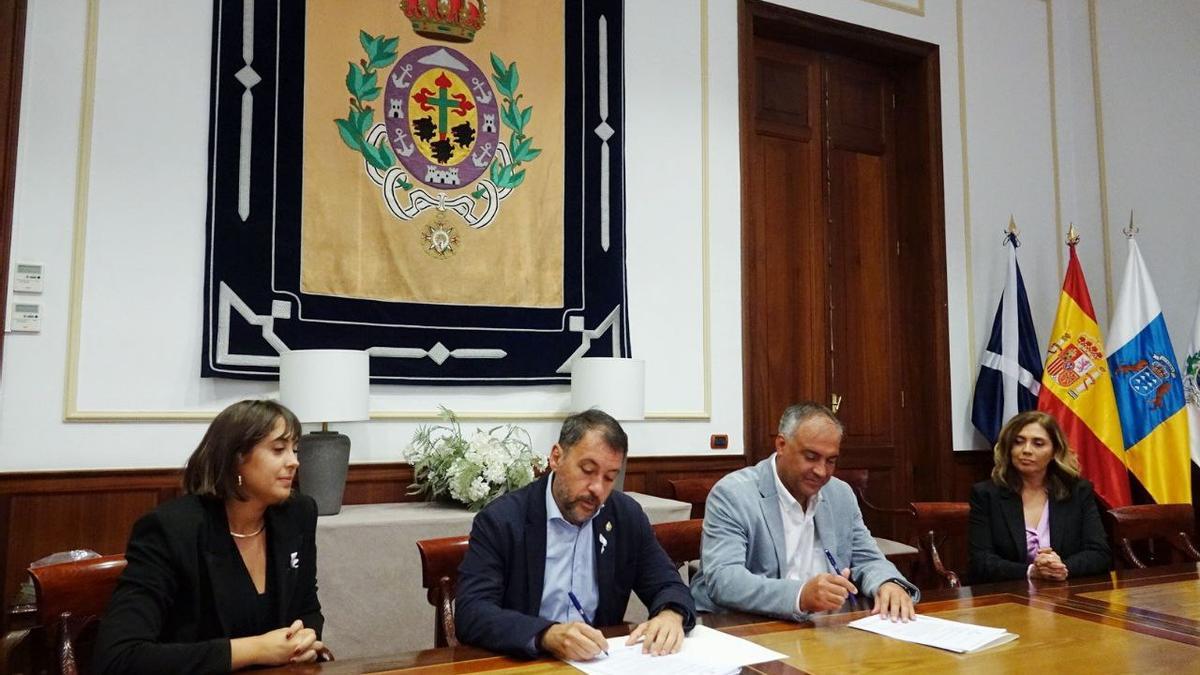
448, 20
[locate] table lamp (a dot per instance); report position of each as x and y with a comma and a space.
612, 384
325, 385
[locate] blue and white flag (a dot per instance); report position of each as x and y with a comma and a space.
1010, 369
1149, 389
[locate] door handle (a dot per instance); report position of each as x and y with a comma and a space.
835, 402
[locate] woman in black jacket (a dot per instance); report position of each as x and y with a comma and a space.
1036, 517
224, 577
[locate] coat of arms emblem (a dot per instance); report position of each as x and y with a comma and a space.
1076, 363
1191, 380
1151, 378
442, 124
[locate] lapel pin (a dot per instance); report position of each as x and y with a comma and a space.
608, 526
603, 544
295, 560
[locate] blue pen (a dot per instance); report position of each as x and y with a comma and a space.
836, 569
579, 608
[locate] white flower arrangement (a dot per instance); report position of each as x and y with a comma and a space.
472, 471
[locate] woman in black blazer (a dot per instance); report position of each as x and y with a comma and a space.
1036, 517
224, 577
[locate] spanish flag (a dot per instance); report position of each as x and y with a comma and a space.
1077, 389
1149, 390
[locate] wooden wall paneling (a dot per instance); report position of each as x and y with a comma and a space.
969, 467
46, 512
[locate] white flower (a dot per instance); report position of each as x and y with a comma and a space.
470, 469
478, 490
495, 470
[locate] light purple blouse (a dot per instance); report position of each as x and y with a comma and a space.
1038, 537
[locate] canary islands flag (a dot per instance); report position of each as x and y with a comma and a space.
1077, 389
1149, 389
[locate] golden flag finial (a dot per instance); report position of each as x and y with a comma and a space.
1072, 235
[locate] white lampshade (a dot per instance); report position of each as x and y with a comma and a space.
326, 385
616, 386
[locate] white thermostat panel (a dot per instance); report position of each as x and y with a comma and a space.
28, 277
26, 317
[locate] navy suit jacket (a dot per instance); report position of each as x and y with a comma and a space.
501, 577
171, 610
998, 550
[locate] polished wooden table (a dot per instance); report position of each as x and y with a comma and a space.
1143, 621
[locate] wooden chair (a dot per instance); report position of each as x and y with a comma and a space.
681, 540
440, 559
942, 540
1158, 532
901, 554
693, 491
71, 597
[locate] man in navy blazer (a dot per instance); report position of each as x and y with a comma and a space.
550, 562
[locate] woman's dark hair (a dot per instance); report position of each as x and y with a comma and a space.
212, 469
1061, 473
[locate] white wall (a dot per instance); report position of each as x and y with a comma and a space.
139, 324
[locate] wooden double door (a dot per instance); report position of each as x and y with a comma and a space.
833, 309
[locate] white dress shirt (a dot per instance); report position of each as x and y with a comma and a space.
805, 555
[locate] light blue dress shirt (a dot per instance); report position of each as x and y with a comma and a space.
570, 565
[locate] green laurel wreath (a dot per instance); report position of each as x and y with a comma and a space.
516, 119
363, 86
1193, 363
362, 83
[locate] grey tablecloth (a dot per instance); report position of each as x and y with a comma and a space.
369, 572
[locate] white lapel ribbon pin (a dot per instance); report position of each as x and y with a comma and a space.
603, 544
295, 560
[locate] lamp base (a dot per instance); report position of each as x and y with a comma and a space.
324, 461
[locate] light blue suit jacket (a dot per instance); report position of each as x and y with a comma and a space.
743, 554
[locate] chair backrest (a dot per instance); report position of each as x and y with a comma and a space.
680, 539
1151, 534
941, 529
71, 597
881, 520
440, 559
693, 491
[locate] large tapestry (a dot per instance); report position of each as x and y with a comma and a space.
439, 182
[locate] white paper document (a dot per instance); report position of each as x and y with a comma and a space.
953, 636
705, 652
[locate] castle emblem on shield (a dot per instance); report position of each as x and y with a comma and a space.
441, 121
1076, 363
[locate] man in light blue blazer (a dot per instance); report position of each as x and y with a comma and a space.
786, 539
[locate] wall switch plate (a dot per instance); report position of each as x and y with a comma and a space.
718, 441
27, 277
26, 317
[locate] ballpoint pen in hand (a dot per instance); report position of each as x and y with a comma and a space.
836, 570
579, 608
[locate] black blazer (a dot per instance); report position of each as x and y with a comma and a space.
170, 612
998, 549
501, 577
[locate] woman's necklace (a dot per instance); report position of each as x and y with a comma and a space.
252, 534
